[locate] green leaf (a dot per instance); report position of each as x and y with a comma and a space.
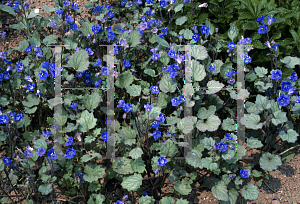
136, 153
87, 121
93, 172
228, 124
138, 165
238, 181
252, 121
132, 183
168, 149
204, 114
218, 64
22, 46
188, 34
32, 100
261, 71
182, 201
250, 192
128, 135
134, 38
254, 142
186, 125
45, 189
150, 72
164, 58
1, 165
181, 20
290, 136
91, 101
166, 84
134, 90
124, 79
87, 157
167, 200
262, 102
172, 120
79, 61
256, 173
30, 110
198, 71
214, 87
269, 162
212, 124
40, 143
290, 61
162, 42
146, 200
7, 9
48, 9
183, 187
233, 32
86, 28
99, 199
220, 191
208, 143
178, 8
280, 117
211, 27
50, 39
193, 158
155, 111
3, 101
199, 52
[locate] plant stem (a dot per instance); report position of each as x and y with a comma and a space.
7, 176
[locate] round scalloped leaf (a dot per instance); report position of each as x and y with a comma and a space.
269, 162
136, 153
233, 32
290, 61
228, 124
181, 20
45, 189
146, 200
133, 182
262, 102
122, 166
214, 87
183, 187
220, 191
182, 201
199, 52
166, 84
280, 117
260, 71
124, 79
290, 136
250, 192
167, 200
198, 71
87, 121
251, 121
99, 199
254, 142
168, 149
134, 90
79, 61
212, 124
193, 158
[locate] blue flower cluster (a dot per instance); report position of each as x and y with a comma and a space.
127, 107
176, 101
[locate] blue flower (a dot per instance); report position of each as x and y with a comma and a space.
162, 161
163, 3
69, 19
96, 28
27, 154
111, 36
70, 153
98, 63
262, 29
87, 74
105, 136
7, 161
270, 20
40, 151
261, 19
222, 146
275, 46
212, 68
293, 77
104, 71
59, 13
196, 36
283, 100
98, 83
80, 176
69, 141
231, 45
74, 106
126, 63
205, 30
229, 74
231, 81
128, 107
87, 81
52, 155
148, 108
175, 101
154, 89
124, 2
121, 104
75, 6
119, 202
156, 134
110, 14
181, 99
46, 133
145, 193
160, 117
244, 173
139, 2
43, 75
66, 3
276, 75
248, 41
172, 53
156, 171
155, 124
19, 66
228, 137
30, 86
286, 86
90, 51
6, 75
155, 56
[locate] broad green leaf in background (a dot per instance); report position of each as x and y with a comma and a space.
134, 38
199, 52
252, 121
91, 101
45, 189
150, 72
280, 117
233, 32
181, 20
178, 8
162, 42
146, 200
136, 153
228, 124
208, 143
166, 84
186, 125
262, 102
260, 71
22, 46
167, 200
290, 136
7, 9
128, 135
48, 9
134, 90
220, 191
138, 165
124, 79
79, 61
50, 39
93, 172
40, 143
155, 111
32, 100
250, 192
183, 187
182, 201
269, 162
204, 114
214, 87
198, 71
211, 27
87, 121
168, 149
86, 28
254, 142
99, 199
290, 61
212, 124
132, 183
164, 58
193, 158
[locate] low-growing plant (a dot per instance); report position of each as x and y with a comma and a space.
165, 125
